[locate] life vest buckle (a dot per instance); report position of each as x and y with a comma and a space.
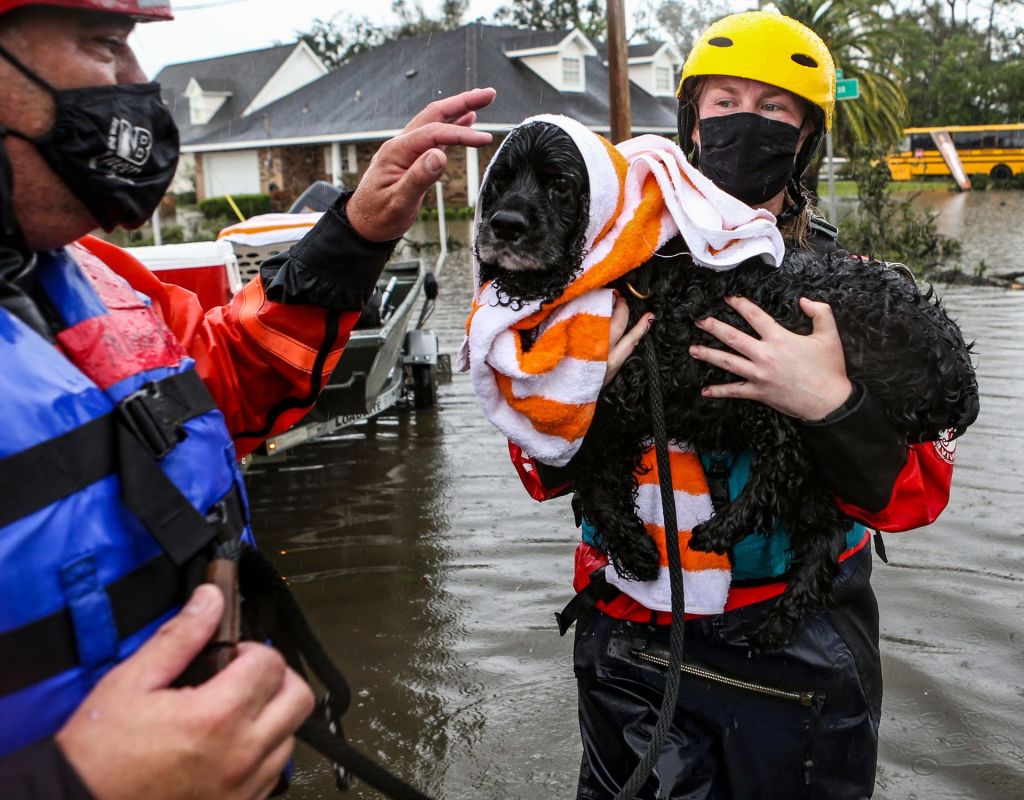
152, 419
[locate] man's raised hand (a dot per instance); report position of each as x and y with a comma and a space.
387, 200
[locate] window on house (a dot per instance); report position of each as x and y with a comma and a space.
572, 72
352, 159
662, 79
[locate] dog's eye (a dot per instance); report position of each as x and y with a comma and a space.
561, 185
497, 183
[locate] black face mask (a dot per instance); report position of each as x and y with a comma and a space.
115, 147
749, 156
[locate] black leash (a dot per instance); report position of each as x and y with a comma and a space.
675, 661
273, 612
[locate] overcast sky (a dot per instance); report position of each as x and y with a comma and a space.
206, 28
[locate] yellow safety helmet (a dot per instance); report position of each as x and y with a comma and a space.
771, 48
768, 47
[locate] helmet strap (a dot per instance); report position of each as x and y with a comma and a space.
797, 206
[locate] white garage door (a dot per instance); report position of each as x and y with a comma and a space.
234, 172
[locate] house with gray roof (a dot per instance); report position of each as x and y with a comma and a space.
329, 128
208, 97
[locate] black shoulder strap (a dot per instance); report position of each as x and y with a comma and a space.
129, 442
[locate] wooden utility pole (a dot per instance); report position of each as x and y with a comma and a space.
618, 73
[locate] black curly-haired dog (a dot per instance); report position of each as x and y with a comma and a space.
535, 200
899, 344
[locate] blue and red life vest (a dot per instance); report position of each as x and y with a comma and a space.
115, 466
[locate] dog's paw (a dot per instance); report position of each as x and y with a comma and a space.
706, 539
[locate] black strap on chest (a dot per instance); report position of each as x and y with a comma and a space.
47, 647
128, 442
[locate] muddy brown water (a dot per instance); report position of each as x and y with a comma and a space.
432, 578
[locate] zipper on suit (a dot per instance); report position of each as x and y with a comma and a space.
808, 699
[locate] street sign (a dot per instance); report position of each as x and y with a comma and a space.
848, 89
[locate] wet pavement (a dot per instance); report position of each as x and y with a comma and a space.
432, 578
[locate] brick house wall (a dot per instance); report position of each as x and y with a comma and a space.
286, 172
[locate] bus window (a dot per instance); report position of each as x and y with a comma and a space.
989, 139
921, 141
1011, 139
967, 140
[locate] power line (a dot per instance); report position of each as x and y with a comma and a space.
213, 4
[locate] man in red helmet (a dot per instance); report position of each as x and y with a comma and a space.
125, 406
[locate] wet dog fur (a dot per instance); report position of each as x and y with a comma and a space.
899, 344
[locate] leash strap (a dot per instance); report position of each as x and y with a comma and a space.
666, 713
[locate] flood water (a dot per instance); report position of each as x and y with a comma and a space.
432, 577
988, 225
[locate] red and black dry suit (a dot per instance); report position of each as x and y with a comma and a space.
797, 722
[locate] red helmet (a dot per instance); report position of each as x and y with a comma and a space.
142, 10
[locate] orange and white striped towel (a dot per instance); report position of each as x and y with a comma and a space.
268, 229
641, 195
706, 576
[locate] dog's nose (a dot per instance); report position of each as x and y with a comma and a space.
508, 225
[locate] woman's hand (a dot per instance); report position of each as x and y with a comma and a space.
802, 376
623, 342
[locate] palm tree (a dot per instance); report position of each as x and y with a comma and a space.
864, 47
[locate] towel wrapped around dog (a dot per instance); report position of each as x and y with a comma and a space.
642, 194
543, 398
706, 576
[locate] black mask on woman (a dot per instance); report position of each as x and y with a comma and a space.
115, 147
749, 156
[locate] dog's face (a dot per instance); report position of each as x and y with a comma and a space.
533, 213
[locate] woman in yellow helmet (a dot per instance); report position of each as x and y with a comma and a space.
756, 97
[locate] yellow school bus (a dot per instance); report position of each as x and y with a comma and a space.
996, 150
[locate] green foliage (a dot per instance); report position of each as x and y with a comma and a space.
341, 38
249, 204
143, 237
186, 198
588, 16
337, 45
889, 227
960, 71
677, 21
450, 212
980, 183
862, 43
